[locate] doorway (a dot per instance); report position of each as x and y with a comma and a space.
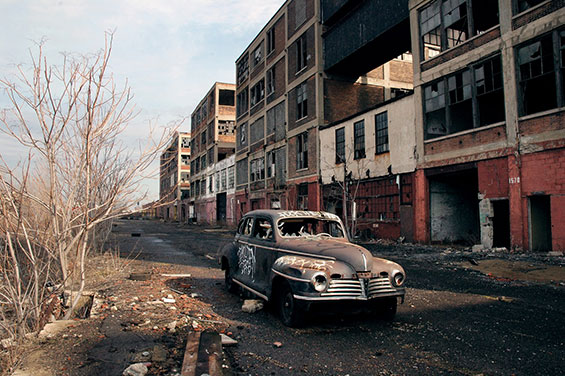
501, 223
540, 223
221, 205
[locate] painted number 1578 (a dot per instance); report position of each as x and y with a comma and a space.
515, 180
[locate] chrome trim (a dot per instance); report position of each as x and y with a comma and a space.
290, 277
291, 252
332, 298
250, 289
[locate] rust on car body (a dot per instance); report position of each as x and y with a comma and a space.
300, 258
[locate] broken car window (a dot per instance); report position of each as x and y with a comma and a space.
309, 227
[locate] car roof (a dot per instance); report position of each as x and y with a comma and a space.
276, 214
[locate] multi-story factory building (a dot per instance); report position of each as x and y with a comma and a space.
174, 183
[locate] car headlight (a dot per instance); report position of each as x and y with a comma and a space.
320, 282
398, 279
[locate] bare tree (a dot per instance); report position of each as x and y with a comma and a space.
80, 174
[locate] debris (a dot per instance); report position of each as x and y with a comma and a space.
137, 369
478, 248
168, 300
176, 275
172, 326
135, 234
277, 344
227, 341
473, 261
210, 257
140, 276
252, 305
159, 354
194, 295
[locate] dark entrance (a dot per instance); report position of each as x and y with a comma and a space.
540, 223
501, 223
221, 201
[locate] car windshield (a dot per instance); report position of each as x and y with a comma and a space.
309, 227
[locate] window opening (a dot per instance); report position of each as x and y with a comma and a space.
359, 139
381, 132
340, 145
302, 151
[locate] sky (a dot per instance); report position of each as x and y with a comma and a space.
170, 51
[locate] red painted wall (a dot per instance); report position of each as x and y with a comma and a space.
493, 178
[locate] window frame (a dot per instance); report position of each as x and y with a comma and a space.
359, 139
340, 145
302, 151
271, 40
301, 101
301, 53
270, 81
381, 133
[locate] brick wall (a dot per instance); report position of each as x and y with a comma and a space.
291, 15
542, 124
558, 222
280, 80
477, 138
493, 178
537, 13
343, 99
544, 172
401, 71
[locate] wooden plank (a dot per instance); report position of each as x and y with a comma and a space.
191, 355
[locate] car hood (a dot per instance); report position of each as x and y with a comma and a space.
358, 257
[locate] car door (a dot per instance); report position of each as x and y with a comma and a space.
264, 240
245, 253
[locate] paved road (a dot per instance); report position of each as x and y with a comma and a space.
454, 321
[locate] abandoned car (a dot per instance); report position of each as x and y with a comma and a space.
303, 259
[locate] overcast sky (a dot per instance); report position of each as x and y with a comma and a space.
170, 51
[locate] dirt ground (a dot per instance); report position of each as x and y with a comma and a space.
446, 326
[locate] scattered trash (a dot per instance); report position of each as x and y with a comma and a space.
252, 305
172, 326
473, 261
168, 300
210, 257
176, 275
140, 276
227, 341
137, 369
277, 344
194, 295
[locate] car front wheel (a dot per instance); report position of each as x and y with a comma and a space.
290, 309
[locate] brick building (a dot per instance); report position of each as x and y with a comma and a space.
285, 94
174, 183
213, 142
489, 87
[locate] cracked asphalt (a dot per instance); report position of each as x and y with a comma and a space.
455, 320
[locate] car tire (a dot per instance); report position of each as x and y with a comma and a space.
231, 286
386, 308
290, 310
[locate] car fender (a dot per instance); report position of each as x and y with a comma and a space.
303, 268
227, 255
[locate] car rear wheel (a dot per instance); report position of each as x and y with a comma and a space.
290, 309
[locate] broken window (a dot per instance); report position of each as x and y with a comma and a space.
359, 139
211, 132
271, 164
192, 169
257, 93
381, 133
460, 103
301, 101
242, 102
270, 40
241, 136
257, 131
445, 24
203, 187
226, 128
275, 121
217, 181
185, 142
302, 151
340, 145
211, 157
203, 162
538, 87
184, 176
231, 177
490, 95
302, 197
211, 183
223, 180
454, 110
242, 69
185, 159
271, 81
258, 55
257, 169
301, 53
203, 138
226, 97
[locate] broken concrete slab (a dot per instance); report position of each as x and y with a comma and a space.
52, 329
227, 340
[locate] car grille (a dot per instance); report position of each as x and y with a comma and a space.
358, 288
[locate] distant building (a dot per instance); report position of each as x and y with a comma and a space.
284, 95
174, 182
490, 122
213, 142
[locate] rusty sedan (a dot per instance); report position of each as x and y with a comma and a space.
301, 259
